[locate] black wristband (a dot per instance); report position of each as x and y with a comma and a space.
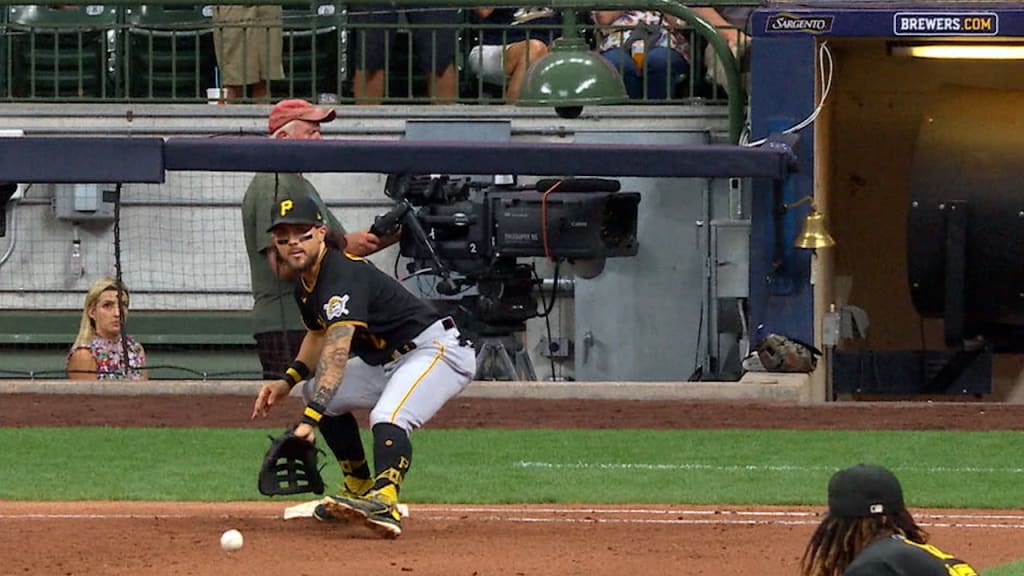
313, 413
296, 372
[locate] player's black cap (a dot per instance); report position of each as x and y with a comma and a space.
864, 490
301, 210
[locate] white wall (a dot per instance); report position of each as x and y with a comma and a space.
181, 241
182, 246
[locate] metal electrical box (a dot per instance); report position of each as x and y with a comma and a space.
640, 318
728, 291
730, 258
78, 202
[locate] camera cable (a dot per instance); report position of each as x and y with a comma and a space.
548, 307
544, 219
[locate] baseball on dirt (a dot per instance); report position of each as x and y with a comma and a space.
231, 540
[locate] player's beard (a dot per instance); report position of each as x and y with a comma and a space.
291, 267
301, 264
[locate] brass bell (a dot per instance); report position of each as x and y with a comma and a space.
814, 233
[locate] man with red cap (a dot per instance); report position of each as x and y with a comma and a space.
306, 118
277, 324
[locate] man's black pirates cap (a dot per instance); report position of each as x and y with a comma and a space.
301, 210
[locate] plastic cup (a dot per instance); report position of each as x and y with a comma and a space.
216, 96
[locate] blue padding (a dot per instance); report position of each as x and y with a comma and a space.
541, 159
82, 160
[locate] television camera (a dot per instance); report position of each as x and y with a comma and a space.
468, 233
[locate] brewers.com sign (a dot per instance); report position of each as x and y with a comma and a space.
903, 23
945, 24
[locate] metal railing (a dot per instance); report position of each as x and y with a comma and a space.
123, 51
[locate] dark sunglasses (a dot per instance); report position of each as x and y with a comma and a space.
283, 241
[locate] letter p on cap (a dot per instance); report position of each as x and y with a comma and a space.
286, 205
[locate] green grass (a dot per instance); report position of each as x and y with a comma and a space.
511, 466
938, 469
1011, 569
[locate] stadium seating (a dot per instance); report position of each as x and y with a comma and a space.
62, 52
311, 49
168, 51
5, 82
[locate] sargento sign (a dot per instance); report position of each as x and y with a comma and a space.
812, 24
945, 24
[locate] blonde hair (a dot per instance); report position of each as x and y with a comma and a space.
87, 328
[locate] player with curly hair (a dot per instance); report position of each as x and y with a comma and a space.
869, 531
369, 343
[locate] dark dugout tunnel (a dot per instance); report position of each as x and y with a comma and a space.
965, 256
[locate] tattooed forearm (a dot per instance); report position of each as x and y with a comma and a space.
333, 360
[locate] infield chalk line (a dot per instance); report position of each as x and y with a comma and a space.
751, 467
694, 521
682, 516
706, 512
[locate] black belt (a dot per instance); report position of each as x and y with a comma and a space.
447, 322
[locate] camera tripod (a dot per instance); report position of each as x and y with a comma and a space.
494, 362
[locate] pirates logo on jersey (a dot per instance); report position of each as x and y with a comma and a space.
336, 307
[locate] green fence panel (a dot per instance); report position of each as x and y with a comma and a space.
168, 52
45, 327
62, 52
311, 51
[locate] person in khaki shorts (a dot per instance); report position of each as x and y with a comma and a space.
248, 49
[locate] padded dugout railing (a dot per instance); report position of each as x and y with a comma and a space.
106, 160
147, 160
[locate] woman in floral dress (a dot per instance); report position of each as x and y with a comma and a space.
100, 352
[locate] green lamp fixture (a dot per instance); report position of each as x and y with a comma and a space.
571, 76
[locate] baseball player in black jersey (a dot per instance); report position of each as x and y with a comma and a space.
868, 531
373, 345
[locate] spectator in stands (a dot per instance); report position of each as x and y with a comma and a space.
248, 49
101, 351
277, 328
434, 49
648, 50
503, 55
732, 23
869, 531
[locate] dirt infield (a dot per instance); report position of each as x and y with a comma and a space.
233, 411
175, 539
86, 539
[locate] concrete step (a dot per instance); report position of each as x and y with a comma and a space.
38, 119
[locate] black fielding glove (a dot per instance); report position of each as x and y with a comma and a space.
290, 467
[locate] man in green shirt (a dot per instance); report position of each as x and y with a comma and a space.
277, 325
277, 328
